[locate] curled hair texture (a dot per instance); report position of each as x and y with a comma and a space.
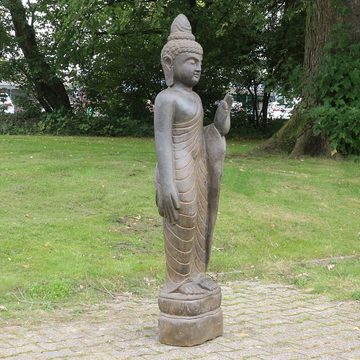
181, 40
174, 48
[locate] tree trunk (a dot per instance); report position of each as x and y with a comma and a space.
254, 104
264, 108
50, 90
296, 136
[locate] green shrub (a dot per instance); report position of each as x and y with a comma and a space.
58, 123
341, 125
120, 126
243, 126
80, 123
18, 124
338, 86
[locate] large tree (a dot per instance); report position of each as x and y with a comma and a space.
117, 44
48, 87
110, 49
328, 88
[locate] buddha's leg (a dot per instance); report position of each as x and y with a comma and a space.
201, 246
201, 215
178, 252
180, 237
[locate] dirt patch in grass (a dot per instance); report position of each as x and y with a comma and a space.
136, 223
142, 227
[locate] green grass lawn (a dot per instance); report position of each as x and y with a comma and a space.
78, 221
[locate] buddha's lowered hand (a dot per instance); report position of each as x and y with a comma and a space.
168, 202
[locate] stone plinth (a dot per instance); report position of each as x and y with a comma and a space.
190, 320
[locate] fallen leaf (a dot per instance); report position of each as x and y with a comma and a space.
309, 290
3, 308
149, 281
218, 248
243, 334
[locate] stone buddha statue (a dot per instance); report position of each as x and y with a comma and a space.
190, 160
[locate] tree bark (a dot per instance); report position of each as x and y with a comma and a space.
319, 21
264, 108
49, 88
296, 136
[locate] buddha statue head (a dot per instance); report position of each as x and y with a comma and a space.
181, 56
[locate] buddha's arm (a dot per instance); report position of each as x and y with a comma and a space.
168, 201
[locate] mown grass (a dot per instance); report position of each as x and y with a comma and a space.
78, 221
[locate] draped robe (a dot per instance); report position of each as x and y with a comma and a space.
188, 241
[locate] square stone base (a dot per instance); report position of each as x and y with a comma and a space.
190, 330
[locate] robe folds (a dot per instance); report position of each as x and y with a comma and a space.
198, 155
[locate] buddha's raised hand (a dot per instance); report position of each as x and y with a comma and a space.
222, 115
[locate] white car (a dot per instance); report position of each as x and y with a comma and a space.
237, 106
277, 111
6, 105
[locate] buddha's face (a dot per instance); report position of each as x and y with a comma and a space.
187, 69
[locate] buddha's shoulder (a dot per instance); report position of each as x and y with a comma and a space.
167, 96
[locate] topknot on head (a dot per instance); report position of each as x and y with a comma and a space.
181, 39
181, 29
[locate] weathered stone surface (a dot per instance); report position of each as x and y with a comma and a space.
188, 172
190, 330
184, 305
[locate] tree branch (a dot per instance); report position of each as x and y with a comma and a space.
132, 32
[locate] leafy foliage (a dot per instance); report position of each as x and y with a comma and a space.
18, 124
244, 126
64, 123
338, 88
110, 49
60, 123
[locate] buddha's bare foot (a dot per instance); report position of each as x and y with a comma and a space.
208, 283
191, 288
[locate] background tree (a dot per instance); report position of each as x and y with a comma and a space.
328, 117
115, 48
120, 42
50, 90
109, 50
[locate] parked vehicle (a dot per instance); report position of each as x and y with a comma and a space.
6, 105
281, 108
237, 106
278, 111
